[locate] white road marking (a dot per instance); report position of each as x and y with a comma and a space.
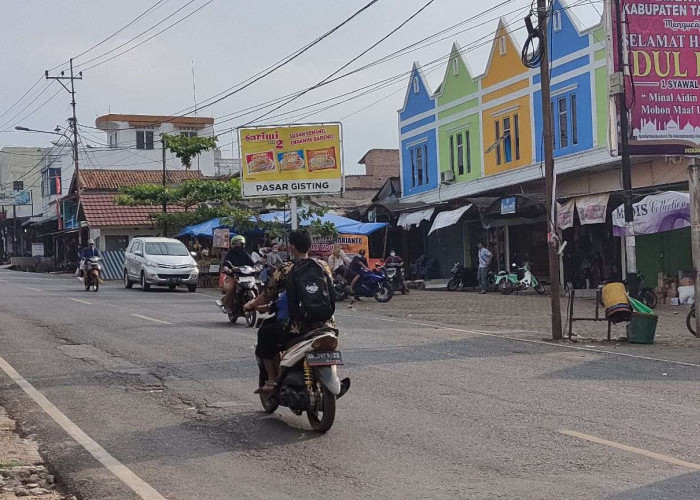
639, 451
79, 300
3, 281
35, 289
151, 319
517, 339
138, 485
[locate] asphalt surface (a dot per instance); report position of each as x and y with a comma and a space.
432, 413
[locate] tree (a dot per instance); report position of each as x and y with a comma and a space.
187, 147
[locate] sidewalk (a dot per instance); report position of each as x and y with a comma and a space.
528, 316
22, 471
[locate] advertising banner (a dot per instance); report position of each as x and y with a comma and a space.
565, 214
591, 209
350, 243
221, 238
661, 47
655, 213
291, 160
15, 198
37, 249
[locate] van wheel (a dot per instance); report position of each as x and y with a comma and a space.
191, 288
144, 285
127, 282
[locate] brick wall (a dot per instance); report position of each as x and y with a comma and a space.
380, 164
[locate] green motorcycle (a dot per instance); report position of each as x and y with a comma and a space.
520, 278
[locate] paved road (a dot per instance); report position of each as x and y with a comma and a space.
433, 412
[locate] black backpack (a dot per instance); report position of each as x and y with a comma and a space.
310, 292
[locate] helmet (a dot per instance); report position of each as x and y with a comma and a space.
238, 239
91, 242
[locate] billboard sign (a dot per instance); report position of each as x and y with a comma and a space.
661, 47
291, 160
15, 198
350, 243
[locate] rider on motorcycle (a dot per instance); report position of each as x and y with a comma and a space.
358, 266
393, 259
85, 254
237, 257
272, 337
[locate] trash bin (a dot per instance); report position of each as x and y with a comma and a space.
642, 328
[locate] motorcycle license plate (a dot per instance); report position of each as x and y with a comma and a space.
247, 279
324, 358
391, 273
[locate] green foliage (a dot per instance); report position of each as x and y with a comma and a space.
186, 148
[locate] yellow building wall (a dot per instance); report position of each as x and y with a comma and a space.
521, 107
503, 66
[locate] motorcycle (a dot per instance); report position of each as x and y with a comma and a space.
371, 284
308, 375
644, 294
247, 285
395, 275
461, 278
520, 278
93, 268
340, 285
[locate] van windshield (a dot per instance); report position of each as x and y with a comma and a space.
166, 248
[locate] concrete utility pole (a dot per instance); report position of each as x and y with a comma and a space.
630, 243
694, 189
165, 205
550, 201
74, 124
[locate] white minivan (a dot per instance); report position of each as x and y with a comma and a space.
159, 262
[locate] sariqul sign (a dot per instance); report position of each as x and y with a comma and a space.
662, 50
291, 160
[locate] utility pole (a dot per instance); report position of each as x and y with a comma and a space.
630, 244
549, 170
74, 124
694, 189
165, 206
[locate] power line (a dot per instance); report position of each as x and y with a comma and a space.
25, 107
22, 97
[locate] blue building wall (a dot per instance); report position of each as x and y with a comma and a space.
411, 183
416, 102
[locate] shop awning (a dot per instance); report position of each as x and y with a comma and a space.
655, 213
408, 219
448, 218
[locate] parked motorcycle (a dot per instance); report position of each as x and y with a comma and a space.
520, 278
247, 284
93, 269
462, 278
308, 375
645, 294
341, 285
395, 275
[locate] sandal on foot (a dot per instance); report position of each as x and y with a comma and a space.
268, 388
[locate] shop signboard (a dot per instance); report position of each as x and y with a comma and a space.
661, 41
221, 238
592, 209
350, 243
291, 160
37, 249
655, 213
565, 214
507, 205
15, 198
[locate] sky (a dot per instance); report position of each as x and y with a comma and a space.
228, 42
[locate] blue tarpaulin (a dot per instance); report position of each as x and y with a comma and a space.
342, 224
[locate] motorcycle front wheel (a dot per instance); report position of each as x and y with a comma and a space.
453, 284
341, 292
384, 293
539, 288
97, 283
250, 315
325, 421
690, 321
232, 317
504, 287
649, 298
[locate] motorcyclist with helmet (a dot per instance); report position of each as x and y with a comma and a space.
236, 257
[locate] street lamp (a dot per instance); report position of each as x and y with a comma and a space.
56, 132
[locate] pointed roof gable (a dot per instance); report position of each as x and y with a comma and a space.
424, 93
462, 83
501, 66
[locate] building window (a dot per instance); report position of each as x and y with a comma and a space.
419, 165
502, 45
17, 185
563, 125
574, 126
556, 20
416, 85
51, 182
516, 131
469, 152
189, 133
460, 154
507, 141
144, 139
113, 140
455, 67
498, 140
452, 153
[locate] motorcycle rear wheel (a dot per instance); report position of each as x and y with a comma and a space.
649, 298
504, 287
324, 423
540, 288
453, 284
250, 315
96, 285
690, 321
87, 284
384, 293
232, 317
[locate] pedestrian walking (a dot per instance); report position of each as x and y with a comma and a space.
485, 257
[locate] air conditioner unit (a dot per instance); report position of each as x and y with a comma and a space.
447, 177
